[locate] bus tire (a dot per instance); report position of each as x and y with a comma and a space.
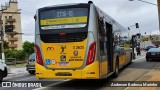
1, 76
134, 56
116, 73
31, 72
130, 59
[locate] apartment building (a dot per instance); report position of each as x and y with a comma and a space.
11, 16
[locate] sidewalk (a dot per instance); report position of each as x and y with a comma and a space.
13, 71
151, 75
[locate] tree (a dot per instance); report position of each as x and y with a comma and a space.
20, 54
28, 47
144, 39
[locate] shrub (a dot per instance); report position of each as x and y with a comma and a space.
18, 54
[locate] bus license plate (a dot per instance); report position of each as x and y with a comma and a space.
63, 63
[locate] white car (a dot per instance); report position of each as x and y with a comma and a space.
3, 71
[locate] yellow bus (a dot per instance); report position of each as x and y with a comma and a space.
79, 41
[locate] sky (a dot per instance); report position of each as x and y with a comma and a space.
125, 12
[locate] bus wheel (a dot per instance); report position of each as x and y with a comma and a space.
134, 56
115, 75
1, 76
130, 59
31, 72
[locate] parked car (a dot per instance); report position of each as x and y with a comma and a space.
31, 64
153, 53
148, 47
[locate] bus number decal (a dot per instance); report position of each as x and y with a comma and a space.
78, 47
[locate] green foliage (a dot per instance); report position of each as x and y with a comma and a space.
5, 45
9, 53
18, 54
155, 37
28, 48
144, 39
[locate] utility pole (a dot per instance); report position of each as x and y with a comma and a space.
158, 2
2, 38
2, 45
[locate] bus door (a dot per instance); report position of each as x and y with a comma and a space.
103, 48
109, 47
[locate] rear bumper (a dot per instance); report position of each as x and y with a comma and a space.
153, 57
30, 67
43, 73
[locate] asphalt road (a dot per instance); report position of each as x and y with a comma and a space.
26, 78
129, 73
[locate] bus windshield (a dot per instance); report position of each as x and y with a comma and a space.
63, 18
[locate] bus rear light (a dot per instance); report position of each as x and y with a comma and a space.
38, 55
91, 53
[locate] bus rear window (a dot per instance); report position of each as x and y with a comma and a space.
64, 18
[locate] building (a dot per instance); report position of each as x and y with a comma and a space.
11, 16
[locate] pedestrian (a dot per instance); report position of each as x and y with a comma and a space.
138, 50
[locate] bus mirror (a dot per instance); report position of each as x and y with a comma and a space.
101, 26
35, 17
90, 2
101, 21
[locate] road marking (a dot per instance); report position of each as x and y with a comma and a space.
139, 58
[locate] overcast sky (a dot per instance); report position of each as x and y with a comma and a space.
125, 12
